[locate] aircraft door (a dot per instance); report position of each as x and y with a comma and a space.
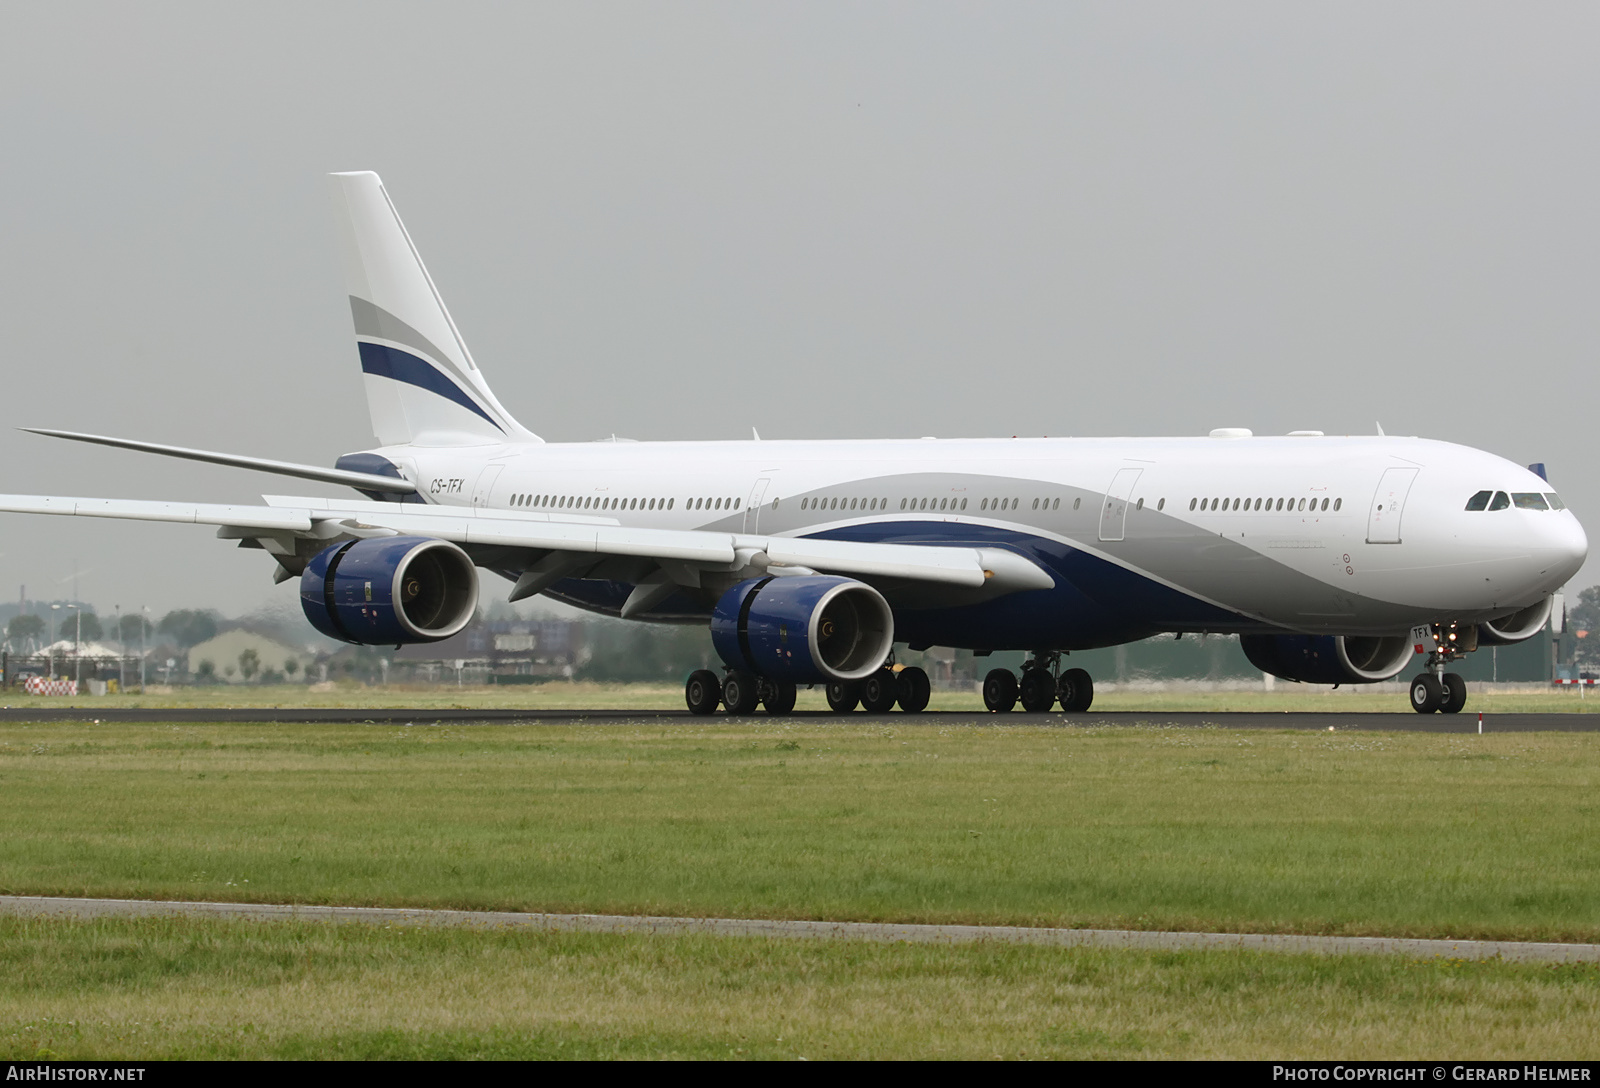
752, 508
486, 481
1388, 505
1114, 514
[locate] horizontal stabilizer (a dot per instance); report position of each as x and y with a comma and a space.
365, 481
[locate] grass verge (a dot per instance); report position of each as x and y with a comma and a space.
135, 989
1158, 828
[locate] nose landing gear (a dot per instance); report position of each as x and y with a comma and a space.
1041, 686
1437, 690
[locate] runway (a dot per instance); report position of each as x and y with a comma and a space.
883, 932
1321, 721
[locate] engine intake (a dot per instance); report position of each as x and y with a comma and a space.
390, 590
1517, 627
805, 629
1329, 659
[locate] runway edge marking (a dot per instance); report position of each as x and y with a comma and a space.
883, 932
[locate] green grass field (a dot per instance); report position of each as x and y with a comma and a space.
169, 988
1259, 830
591, 696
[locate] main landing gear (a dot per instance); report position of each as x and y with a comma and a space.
741, 692
1043, 683
1437, 690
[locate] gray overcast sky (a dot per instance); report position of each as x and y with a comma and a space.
679, 220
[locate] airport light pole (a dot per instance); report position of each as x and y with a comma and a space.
144, 649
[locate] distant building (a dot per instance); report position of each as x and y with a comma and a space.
223, 653
503, 651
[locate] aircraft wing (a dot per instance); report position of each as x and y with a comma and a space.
547, 548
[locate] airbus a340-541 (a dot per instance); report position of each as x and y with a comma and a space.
1335, 559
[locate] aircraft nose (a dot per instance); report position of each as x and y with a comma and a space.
1565, 547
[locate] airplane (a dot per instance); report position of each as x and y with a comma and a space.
1334, 559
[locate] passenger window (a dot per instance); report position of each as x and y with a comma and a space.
1555, 501
1480, 501
1191, 504
1162, 505
1055, 504
1500, 501
902, 504
963, 504
1529, 500
1075, 503
1324, 504
671, 501
1337, 503
1139, 505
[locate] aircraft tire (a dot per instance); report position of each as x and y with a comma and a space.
879, 692
843, 696
913, 690
1075, 690
778, 697
1000, 691
703, 692
741, 693
1427, 694
1455, 694
1038, 691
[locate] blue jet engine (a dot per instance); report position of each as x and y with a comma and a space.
805, 629
390, 590
1328, 659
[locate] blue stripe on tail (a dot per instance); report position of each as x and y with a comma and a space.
402, 366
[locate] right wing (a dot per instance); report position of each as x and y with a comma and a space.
545, 549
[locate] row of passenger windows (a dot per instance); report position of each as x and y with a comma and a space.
590, 502
1522, 500
919, 504
1306, 505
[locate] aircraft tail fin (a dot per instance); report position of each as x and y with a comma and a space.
422, 386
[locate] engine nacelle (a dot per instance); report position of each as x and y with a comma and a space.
1517, 627
1329, 659
805, 629
390, 590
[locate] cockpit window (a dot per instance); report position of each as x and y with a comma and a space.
1501, 501
1480, 501
1529, 500
1555, 501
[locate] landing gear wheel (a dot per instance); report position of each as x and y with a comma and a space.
778, 697
879, 691
1455, 694
1038, 691
913, 690
1427, 694
843, 695
1000, 691
702, 691
741, 692
1075, 689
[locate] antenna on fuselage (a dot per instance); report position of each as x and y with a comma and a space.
1380, 429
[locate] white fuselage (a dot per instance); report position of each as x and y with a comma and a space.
1281, 531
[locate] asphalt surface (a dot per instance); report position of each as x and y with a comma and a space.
1465, 722
884, 932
